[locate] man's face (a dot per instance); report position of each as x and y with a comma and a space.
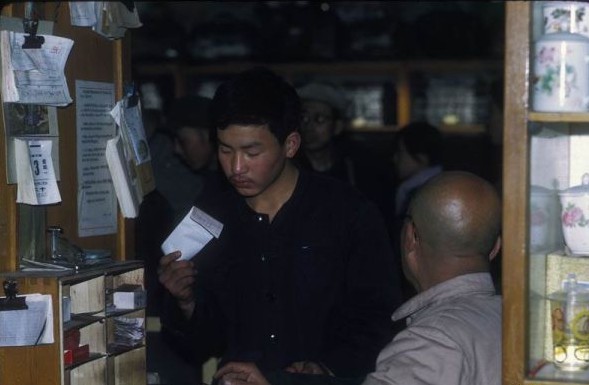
318, 126
193, 146
251, 158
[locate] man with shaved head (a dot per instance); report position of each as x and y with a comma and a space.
453, 334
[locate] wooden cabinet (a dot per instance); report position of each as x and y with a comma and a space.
90, 344
544, 154
93, 58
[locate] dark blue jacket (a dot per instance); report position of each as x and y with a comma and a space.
319, 283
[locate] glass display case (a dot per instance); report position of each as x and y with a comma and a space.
545, 276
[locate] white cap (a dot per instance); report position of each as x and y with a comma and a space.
325, 93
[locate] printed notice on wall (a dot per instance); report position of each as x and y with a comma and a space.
97, 202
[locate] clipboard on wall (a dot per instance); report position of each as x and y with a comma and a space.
25, 320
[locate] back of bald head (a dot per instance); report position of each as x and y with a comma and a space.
457, 214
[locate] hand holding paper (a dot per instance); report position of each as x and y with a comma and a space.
192, 234
189, 237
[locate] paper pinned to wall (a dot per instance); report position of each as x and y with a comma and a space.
34, 76
35, 175
33, 326
126, 184
107, 18
97, 203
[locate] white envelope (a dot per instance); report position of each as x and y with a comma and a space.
192, 234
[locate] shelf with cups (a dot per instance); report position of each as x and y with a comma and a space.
546, 201
557, 249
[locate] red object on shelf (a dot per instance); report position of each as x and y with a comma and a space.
75, 355
68, 357
81, 353
71, 339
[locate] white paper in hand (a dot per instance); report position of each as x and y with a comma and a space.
192, 234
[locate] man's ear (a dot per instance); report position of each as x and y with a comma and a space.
292, 144
409, 254
495, 249
409, 237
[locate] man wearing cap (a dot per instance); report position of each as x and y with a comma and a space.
326, 150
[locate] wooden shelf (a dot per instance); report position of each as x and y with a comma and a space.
397, 72
95, 323
533, 157
331, 68
559, 117
91, 357
81, 320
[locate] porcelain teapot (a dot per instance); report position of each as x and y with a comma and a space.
575, 217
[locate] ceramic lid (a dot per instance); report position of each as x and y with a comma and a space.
575, 296
563, 36
572, 290
581, 189
540, 191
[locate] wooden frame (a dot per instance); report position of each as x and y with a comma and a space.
515, 183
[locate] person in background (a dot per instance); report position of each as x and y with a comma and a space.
327, 148
165, 358
302, 276
156, 218
190, 120
417, 157
184, 161
453, 334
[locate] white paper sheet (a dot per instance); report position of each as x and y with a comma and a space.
192, 234
82, 13
108, 18
97, 204
125, 185
35, 76
32, 326
35, 176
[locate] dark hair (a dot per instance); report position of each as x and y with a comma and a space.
421, 138
260, 97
